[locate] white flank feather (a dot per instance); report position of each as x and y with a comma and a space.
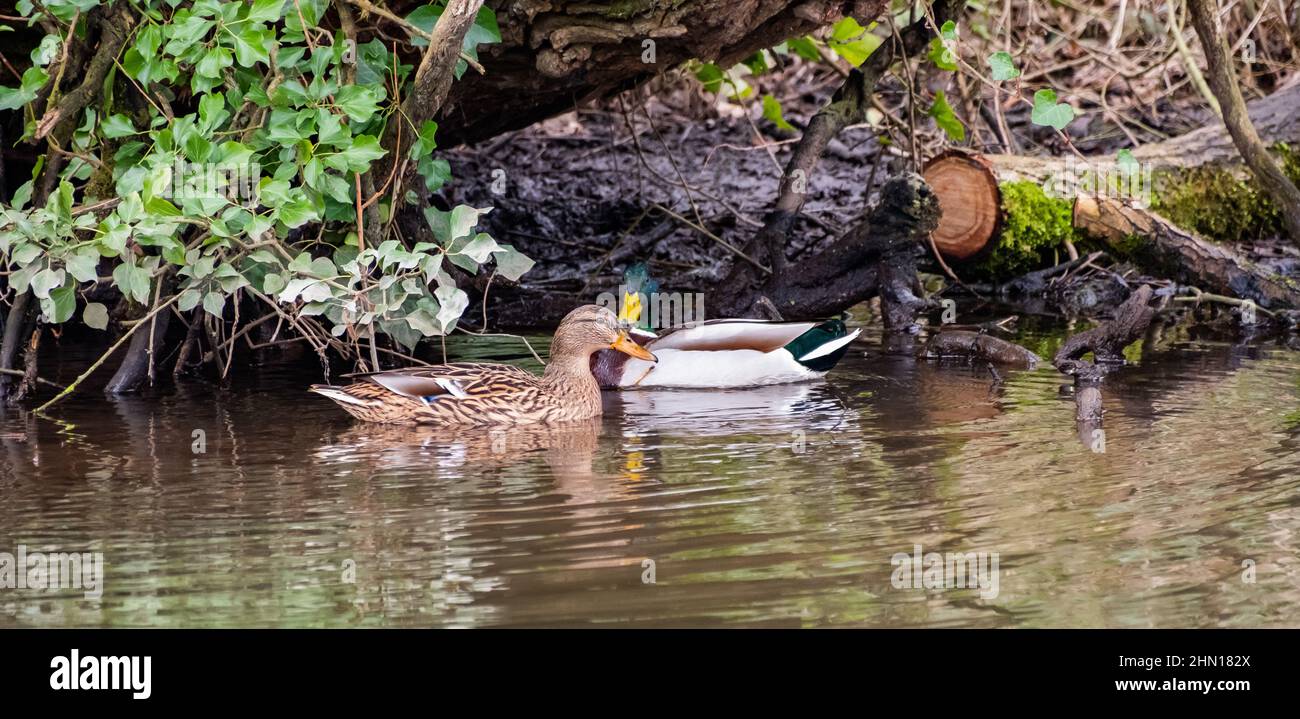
735, 368
831, 346
454, 389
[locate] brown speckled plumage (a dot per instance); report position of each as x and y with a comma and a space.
491, 394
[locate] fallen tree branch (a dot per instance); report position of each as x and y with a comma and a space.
978, 345
104, 357
1169, 251
1106, 341
39, 380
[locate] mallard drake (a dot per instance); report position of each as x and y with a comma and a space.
720, 353
494, 394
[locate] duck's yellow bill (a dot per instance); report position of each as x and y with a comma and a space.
630, 312
628, 347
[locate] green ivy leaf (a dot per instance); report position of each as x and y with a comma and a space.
1048, 112
852, 42
946, 119
82, 265
942, 54
710, 76
60, 305
214, 62
95, 315
33, 80
265, 10
357, 157
511, 263
1003, 66
805, 47
133, 281
250, 49
1127, 163
358, 102
117, 125
772, 111
214, 303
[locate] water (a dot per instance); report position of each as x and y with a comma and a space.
772, 507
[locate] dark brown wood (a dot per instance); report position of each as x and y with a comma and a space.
978, 345
1106, 341
556, 54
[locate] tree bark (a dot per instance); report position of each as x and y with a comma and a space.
556, 54
138, 365
1223, 81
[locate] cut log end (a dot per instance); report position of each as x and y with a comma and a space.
968, 194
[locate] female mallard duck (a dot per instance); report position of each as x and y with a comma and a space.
720, 353
493, 394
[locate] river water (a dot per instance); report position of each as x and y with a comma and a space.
262, 505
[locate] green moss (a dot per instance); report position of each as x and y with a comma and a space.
1222, 204
1035, 228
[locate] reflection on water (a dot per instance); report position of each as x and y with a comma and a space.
780, 506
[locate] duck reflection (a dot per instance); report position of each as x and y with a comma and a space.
676, 412
568, 451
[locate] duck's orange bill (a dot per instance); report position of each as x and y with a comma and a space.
625, 345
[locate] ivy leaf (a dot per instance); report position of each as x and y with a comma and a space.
265, 10
273, 283
162, 207
214, 61
82, 265
188, 300
357, 157
944, 117
805, 47
435, 171
1003, 66
1050, 113
360, 103
452, 302
772, 111
117, 125
480, 248
33, 80
45, 281
710, 76
60, 305
942, 55
1127, 163
133, 281
214, 303
463, 219
852, 42
249, 48
511, 263
95, 315
297, 214
424, 141
185, 30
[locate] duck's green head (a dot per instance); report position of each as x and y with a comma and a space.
637, 288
